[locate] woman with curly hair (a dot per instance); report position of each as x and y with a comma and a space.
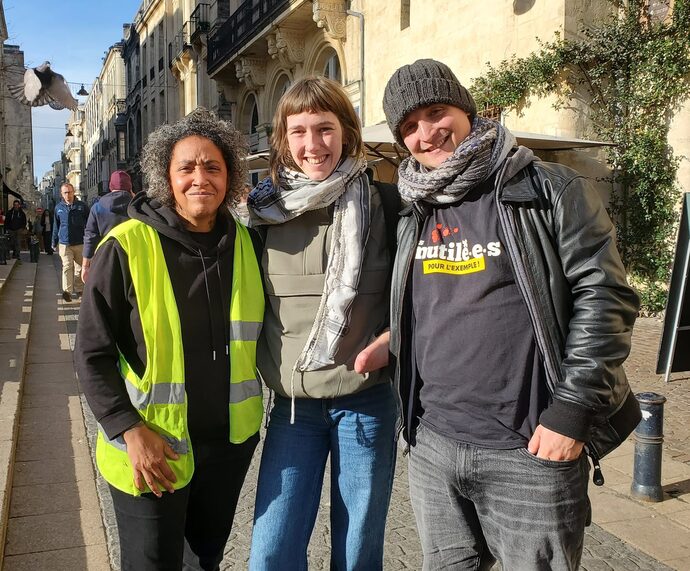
324, 345
166, 350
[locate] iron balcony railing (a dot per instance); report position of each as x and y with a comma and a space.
240, 27
198, 22
179, 44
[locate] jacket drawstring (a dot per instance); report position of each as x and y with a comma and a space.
292, 394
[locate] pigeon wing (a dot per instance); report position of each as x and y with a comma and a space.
59, 92
26, 87
15, 84
32, 86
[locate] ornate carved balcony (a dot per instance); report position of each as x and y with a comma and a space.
242, 25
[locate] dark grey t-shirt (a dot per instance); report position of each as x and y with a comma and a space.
481, 373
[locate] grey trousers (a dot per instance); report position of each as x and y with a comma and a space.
475, 505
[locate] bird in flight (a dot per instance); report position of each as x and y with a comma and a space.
42, 86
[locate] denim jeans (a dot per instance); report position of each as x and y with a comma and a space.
475, 505
358, 431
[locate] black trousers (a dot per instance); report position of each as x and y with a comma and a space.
186, 530
47, 239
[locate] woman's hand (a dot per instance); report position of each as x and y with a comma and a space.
147, 452
550, 445
375, 355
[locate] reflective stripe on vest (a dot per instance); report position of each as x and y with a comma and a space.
159, 395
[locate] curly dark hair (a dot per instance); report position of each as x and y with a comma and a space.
157, 153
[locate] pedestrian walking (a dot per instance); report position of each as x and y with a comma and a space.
510, 320
46, 222
166, 350
108, 212
15, 225
68, 236
37, 227
324, 345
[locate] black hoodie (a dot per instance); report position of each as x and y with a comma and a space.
200, 268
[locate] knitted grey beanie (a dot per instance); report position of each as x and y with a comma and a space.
422, 83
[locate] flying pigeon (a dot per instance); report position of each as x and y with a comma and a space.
42, 86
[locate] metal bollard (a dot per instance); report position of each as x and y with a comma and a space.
649, 436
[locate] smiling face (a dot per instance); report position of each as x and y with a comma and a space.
199, 181
315, 140
432, 133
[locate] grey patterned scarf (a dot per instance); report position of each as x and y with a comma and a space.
348, 189
477, 157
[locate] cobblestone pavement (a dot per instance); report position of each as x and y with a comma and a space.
602, 551
641, 369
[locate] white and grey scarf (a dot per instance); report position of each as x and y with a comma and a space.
347, 188
474, 160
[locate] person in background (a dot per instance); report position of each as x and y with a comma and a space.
68, 231
15, 225
510, 320
324, 345
108, 212
166, 350
37, 227
46, 222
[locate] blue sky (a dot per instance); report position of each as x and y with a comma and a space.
74, 36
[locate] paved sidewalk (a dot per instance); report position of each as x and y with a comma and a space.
55, 520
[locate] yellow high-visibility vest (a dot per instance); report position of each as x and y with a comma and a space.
159, 395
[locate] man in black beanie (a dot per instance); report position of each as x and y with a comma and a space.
510, 320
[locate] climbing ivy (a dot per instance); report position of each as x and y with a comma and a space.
636, 72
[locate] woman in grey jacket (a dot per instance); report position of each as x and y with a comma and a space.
324, 344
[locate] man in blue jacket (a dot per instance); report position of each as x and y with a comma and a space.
108, 212
68, 231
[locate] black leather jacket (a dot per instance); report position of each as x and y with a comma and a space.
562, 246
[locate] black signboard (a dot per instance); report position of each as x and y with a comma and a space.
674, 351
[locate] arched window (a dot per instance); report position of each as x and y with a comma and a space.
282, 85
331, 68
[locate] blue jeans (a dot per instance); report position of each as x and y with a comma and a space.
358, 431
475, 505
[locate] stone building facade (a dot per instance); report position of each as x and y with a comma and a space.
102, 142
73, 152
16, 140
238, 57
257, 48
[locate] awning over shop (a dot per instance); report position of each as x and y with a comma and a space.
379, 142
7, 190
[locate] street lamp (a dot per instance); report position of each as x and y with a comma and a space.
82, 91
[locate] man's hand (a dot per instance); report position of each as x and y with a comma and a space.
550, 445
147, 452
86, 263
375, 355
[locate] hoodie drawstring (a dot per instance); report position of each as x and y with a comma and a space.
208, 301
226, 330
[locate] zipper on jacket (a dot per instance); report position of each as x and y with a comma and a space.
597, 474
525, 283
406, 426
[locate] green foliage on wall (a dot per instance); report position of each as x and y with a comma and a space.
636, 72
